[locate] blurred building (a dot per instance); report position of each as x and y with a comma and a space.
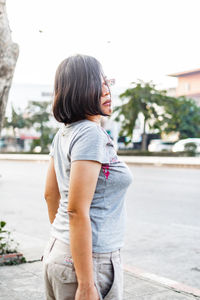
171, 92
188, 84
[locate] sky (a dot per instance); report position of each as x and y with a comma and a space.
133, 39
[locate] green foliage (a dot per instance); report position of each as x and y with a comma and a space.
17, 120
44, 140
39, 114
161, 112
15, 261
36, 115
190, 148
180, 115
7, 244
142, 98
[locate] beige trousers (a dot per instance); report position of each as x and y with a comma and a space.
60, 277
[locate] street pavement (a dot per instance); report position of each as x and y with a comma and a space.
24, 210
163, 228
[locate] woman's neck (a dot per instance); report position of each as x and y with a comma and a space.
96, 119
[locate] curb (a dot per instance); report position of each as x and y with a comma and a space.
157, 161
168, 283
25, 157
163, 165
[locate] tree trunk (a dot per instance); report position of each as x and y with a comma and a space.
9, 52
144, 138
42, 137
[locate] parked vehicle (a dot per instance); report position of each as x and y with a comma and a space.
121, 143
158, 145
180, 145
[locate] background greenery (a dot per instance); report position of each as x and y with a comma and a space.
162, 114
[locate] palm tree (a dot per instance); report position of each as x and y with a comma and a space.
142, 98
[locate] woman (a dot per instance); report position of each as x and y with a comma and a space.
85, 190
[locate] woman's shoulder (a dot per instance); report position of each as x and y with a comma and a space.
83, 128
88, 142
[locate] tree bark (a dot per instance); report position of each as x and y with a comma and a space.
9, 52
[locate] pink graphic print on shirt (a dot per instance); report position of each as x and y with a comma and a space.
106, 170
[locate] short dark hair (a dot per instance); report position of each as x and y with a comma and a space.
77, 89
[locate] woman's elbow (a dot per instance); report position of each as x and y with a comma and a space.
50, 195
46, 196
78, 214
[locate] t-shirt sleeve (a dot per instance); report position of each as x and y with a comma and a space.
51, 153
89, 144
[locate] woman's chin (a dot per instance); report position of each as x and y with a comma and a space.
108, 110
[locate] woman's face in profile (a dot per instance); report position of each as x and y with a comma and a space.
106, 98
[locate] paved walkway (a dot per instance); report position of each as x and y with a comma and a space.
24, 282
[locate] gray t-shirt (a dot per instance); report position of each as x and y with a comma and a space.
86, 140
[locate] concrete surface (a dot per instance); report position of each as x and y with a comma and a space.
22, 183
163, 224
25, 281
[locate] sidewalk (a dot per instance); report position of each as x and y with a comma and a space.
193, 162
24, 282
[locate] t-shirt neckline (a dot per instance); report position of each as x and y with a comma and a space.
79, 121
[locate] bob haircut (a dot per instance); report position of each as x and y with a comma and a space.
77, 89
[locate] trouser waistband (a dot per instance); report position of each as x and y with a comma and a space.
66, 247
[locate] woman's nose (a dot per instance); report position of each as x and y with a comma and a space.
105, 90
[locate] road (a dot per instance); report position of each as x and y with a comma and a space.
163, 223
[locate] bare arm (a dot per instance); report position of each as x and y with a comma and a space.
51, 195
83, 180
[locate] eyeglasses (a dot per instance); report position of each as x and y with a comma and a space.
109, 82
